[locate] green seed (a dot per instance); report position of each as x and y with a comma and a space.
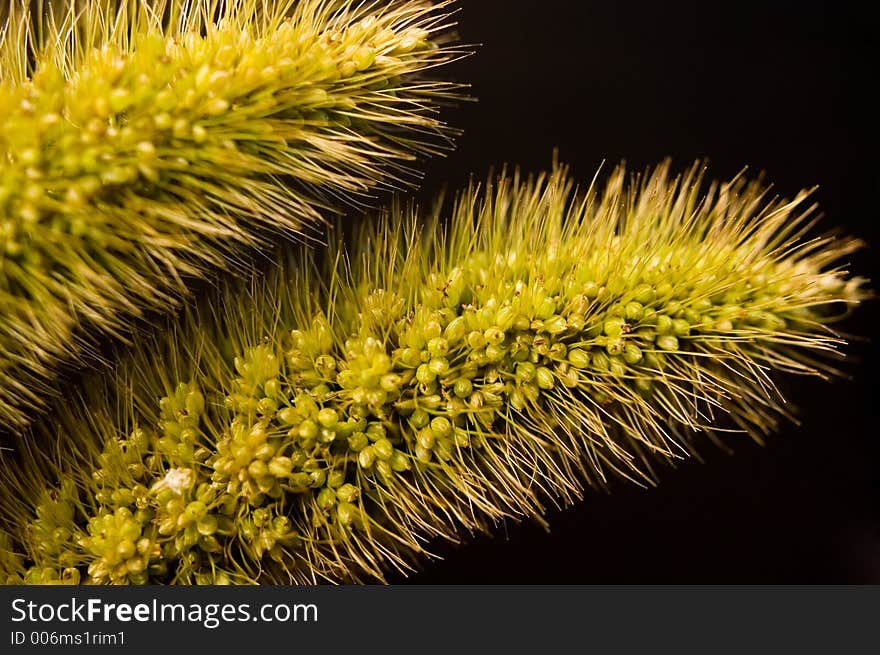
618, 366
506, 318
335, 479
493, 336
425, 375
326, 498
419, 419
358, 441
439, 366
423, 454
328, 417
495, 353
410, 357
667, 342
383, 449
431, 330
441, 427
366, 457
600, 361
376, 431
614, 345
664, 290
590, 289
681, 327
288, 416
545, 378
476, 340
444, 450
425, 438
692, 316
632, 354
125, 549
455, 331
644, 294
545, 309
526, 371
517, 400
265, 452
555, 325
644, 385
438, 347
578, 358
634, 312
347, 514
258, 469
399, 462
616, 286
614, 327
281, 467
207, 525
664, 324
463, 388
390, 382
308, 429
347, 493
301, 481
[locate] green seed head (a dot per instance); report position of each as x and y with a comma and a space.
145, 142
348, 474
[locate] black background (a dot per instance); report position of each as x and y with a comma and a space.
778, 87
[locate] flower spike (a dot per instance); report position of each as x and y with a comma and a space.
145, 142
330, 419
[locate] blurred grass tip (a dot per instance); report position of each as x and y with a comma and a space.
143, 143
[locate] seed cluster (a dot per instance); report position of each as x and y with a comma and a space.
469, 380
149, 158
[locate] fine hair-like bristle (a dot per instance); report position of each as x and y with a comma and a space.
328, 419
143, 143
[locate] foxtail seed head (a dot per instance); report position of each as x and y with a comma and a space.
327, 421
144, 142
